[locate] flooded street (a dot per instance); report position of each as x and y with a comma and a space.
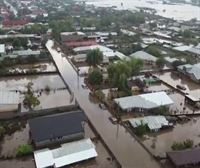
125, 148
181, 132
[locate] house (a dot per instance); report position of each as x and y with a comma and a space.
76, 39
107, 52
66, 154
146, 57
154, 123
55, 129
192, 71
185, 158
14, 24
144, 102
26, 53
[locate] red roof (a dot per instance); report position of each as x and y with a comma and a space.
12, 23
80, 43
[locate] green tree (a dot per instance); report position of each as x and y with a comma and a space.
30, 100
95, 77
141, 129
187, 34
154, 51
160, 62
94, 57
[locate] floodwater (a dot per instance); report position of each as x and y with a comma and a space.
39, 67
40, 82
175, 11
181, 132
125, 148
173, 79
11, 142
47, 100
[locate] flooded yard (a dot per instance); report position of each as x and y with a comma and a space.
10, 143
159, 143
39, 67
53, 99
175, 79
39, 81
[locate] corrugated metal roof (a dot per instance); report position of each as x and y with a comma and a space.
66, 154
145, 101
153, 122
143, 56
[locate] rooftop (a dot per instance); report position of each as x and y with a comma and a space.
153, 122
47, 127
185, 157
67, 154
143, 56
145, 101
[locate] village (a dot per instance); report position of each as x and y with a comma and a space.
95, 87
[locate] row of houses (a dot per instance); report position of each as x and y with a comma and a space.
65, 131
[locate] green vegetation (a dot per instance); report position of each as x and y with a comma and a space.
160, 62
100, 95
59, 26
23, 150
120, 71
154, 51
30, 101
2, 131
188, 143
95, 77
35, 29
162, 110
94, 57
142, 129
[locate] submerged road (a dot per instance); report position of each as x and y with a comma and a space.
128, 152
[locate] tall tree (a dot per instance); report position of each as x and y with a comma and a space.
94, 57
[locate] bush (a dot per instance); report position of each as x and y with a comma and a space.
188, 143
2, 131
141, 129
100, 95
23, 150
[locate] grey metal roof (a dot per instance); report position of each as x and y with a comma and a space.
45, 128
145, 101
195, 70
143, 56
194, 50
153, 122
